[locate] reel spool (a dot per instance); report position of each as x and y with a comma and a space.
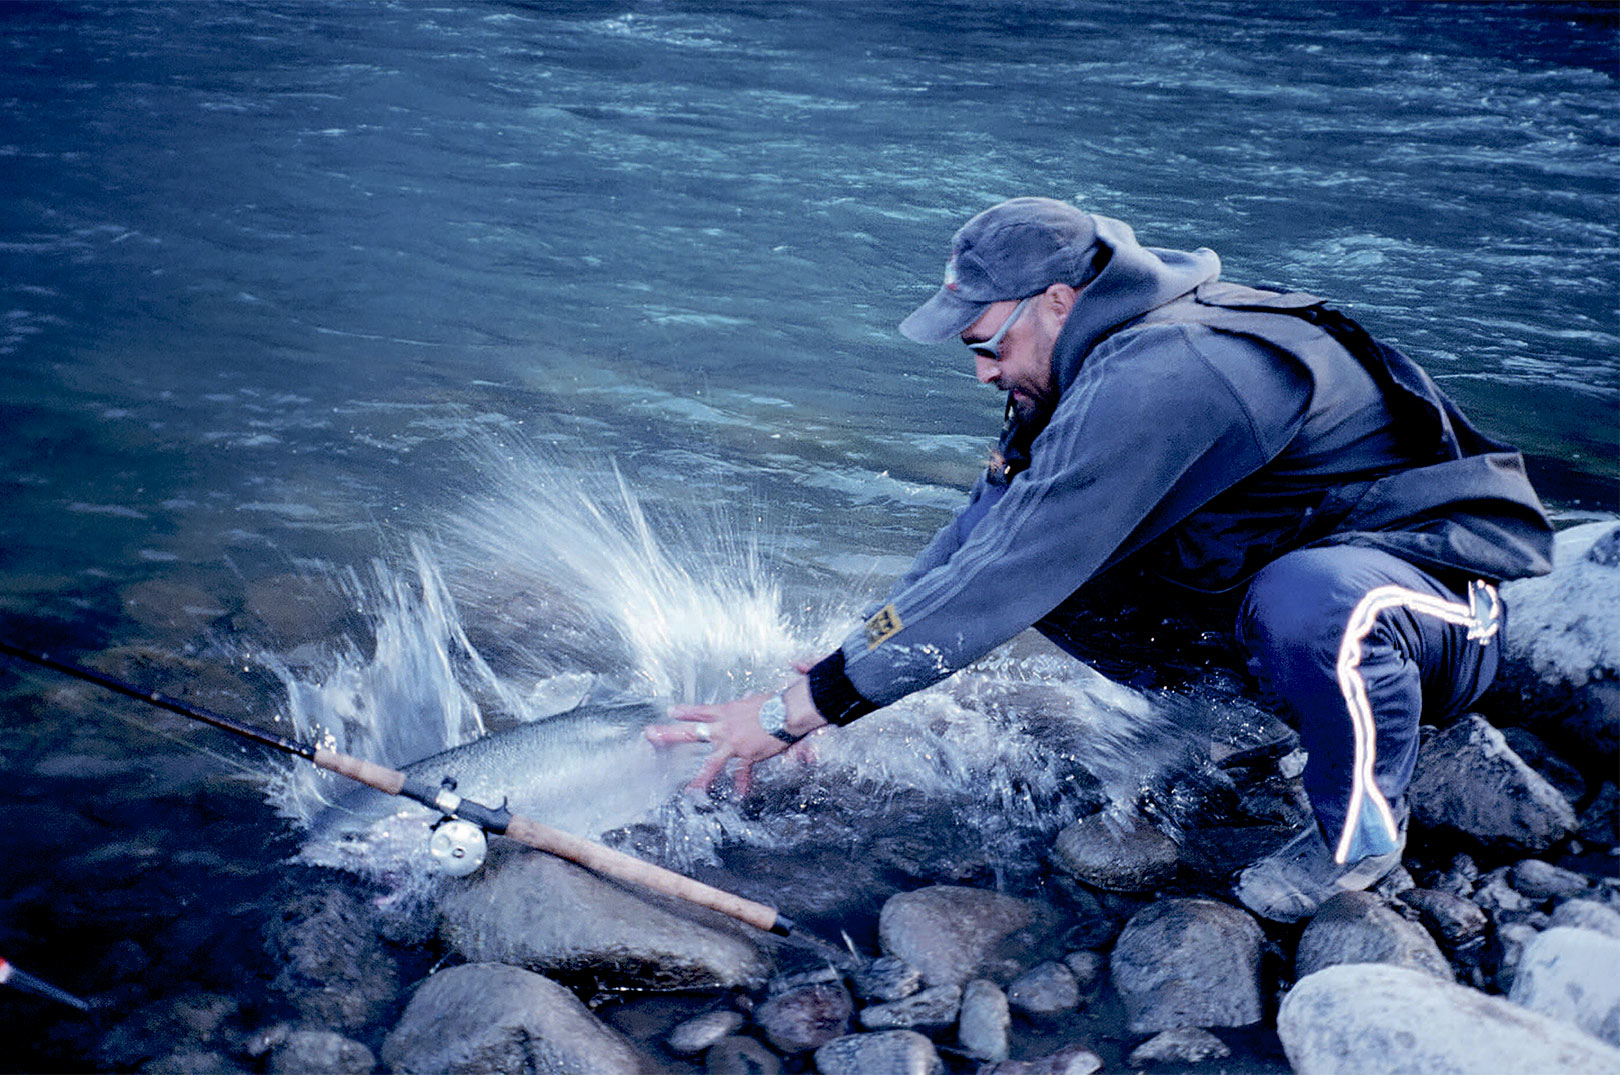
457, 847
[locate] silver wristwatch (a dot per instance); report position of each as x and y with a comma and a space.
773, 718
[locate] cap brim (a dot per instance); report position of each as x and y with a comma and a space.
941, 318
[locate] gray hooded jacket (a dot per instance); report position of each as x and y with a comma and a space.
1204, 429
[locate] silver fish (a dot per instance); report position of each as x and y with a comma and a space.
585, 771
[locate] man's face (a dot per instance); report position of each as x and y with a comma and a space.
1024, 366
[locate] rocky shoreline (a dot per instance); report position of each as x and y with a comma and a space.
1493, 947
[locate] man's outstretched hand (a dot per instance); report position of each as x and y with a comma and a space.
733, 730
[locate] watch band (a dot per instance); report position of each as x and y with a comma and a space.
773, 718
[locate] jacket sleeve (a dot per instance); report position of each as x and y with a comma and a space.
1150, 430
939, 549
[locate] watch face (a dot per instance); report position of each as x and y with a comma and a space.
773, 718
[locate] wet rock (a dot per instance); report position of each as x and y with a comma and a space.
1355, 927
1587, 914
1460, 878
1364, 1017
1497, 897
951, 934
1600, 821
586, 925
486, 1017
1070, 1060
1121, 855
1185, 1045
1087, 968
1246, 807
1558, 772
902, 1052
259, 1044
1458, 924
885, 979
306, 1051
805, 1017
335, 970
1469, 781
932, 1009
698, 1033
1570, 974
155, 1033
1561, 658
1045, 989
741, 1056
1393, 883
1539, 880
1512, 939
122, 961
192, 1062
173, 610
985, 1025
1188, 962
298, 608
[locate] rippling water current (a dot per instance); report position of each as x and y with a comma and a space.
395, 371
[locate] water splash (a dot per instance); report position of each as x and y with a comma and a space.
414, 695
562, 575
568, 583
569, 566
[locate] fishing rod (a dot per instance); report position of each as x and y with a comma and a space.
21, 979
457, 844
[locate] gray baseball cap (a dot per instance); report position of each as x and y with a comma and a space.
1009, 251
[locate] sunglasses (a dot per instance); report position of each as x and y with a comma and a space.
991, 348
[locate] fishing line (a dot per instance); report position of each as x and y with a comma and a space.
241, 765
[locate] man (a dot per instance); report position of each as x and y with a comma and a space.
1239, 445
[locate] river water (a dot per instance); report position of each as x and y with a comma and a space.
301, 300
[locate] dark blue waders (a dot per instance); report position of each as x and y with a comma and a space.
1359, 644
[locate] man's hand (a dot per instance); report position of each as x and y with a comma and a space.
733, 730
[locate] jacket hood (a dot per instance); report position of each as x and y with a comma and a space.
1136, 279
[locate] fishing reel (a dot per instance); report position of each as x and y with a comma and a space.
457, 846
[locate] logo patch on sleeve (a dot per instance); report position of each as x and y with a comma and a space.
883, 625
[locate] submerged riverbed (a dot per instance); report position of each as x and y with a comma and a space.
314, 314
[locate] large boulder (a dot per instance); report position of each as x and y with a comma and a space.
1356, 927
1361, 1017
1188, 962
951, 934
1561, 649
1469, 781
1572, 974
486, 1017
539, 912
